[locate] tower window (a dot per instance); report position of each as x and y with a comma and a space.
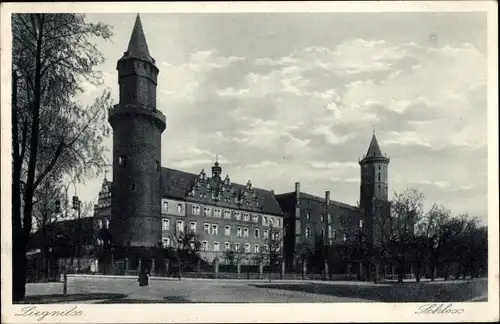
122, 161
379, 167
158, 165
379, 175
132, 187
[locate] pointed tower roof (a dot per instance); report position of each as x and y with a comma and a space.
137, 46
374, 148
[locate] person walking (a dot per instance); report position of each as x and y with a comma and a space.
143, 277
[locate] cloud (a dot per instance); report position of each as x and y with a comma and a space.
439, 184
263, 164
332, 165
302, 101
330, 136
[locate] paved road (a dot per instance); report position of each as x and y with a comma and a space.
102, 289
174, 291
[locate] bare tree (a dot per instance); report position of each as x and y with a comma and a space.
273, 246
303, 250
51, 132
406, 210
462, 244
46, 212
429, 230
185, 245
235, 254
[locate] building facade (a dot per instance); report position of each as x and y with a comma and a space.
151, 205
310, 218
148, 206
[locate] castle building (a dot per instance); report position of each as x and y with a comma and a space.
147, 206
310, 218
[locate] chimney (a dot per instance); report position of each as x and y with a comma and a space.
327, 198
297, 190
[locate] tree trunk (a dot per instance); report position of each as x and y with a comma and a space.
18, 240
18, 266
20, 244
433, 265
401, 272
417, 273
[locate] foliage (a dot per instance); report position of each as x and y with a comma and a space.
52, 133
185, 246
428, 244
235, 255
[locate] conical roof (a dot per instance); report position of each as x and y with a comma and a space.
374, 149
137, 46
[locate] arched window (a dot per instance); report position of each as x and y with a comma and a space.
99, 224
122, 161
106, 222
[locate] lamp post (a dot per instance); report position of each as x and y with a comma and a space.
76, 206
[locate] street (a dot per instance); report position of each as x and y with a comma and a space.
127, 290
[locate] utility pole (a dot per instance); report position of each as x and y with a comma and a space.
269, 247
76, 206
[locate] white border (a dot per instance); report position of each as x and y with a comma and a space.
257, 313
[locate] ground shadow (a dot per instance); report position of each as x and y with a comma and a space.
393, 293
166, 300
60, 298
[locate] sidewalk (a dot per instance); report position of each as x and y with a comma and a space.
220, 280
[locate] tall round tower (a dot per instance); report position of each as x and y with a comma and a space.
137, 128
374, 175
374, 202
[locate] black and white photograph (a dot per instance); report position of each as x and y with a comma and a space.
245, 155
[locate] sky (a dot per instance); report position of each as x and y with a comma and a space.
287, 97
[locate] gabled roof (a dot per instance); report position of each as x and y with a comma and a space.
137, 46
374, 149
178, 184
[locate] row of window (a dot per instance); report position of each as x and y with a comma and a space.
331, 233
308, 216
227, 246
213, 229
217, 213
102, 224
